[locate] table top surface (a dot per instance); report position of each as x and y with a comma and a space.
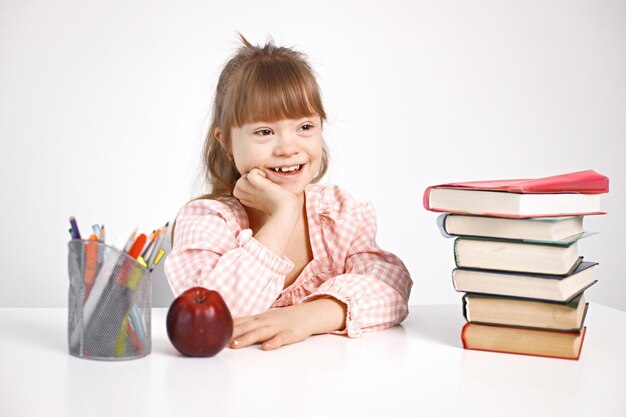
418, 367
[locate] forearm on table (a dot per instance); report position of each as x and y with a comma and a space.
327, 314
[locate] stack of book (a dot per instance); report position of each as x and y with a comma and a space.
517, 260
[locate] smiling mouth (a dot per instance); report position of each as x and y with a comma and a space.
288, 169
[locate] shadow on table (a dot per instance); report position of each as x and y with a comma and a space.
437, 323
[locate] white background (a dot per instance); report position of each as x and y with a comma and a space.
104, 107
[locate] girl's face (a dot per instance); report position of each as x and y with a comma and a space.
289, 151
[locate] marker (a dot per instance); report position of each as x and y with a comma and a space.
120, 342
159, 256
142, 261
135, 249
74, 228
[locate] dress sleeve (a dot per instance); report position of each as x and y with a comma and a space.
375, 285
211, 252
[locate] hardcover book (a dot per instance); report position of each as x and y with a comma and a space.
532, 342
561, 230
504, 255
516, 312
576, 193
534, 286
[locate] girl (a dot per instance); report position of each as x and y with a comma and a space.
290, 257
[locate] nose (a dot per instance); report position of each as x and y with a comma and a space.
286, 145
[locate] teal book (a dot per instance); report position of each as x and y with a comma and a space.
561, 231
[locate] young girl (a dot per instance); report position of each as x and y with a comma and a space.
290, 257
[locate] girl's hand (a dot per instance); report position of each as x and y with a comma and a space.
286, 325
256, 191
274, 328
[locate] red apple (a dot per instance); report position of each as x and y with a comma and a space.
199, 322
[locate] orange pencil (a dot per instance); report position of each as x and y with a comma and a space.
91, 262
153, 238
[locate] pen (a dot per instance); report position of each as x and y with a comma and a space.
137, 324
133, 335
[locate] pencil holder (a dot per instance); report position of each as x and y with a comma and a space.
110, 303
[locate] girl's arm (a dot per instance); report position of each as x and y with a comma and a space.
211, 251
371, 294
249, 272
284, 208
375, 285
282, 326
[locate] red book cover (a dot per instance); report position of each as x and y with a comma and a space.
581, 182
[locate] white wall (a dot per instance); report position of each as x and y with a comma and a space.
103, 109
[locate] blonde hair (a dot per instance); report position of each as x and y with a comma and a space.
257, 84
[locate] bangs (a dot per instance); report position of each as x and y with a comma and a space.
276, 90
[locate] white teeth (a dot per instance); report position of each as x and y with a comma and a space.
287, 169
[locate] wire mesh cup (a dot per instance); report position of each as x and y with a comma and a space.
110, 303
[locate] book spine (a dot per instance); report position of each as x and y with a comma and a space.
527, 354
574, 358
463, 340
465, 301
426, 198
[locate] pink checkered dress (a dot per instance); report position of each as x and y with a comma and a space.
214, 248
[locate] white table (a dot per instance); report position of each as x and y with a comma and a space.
418, 368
